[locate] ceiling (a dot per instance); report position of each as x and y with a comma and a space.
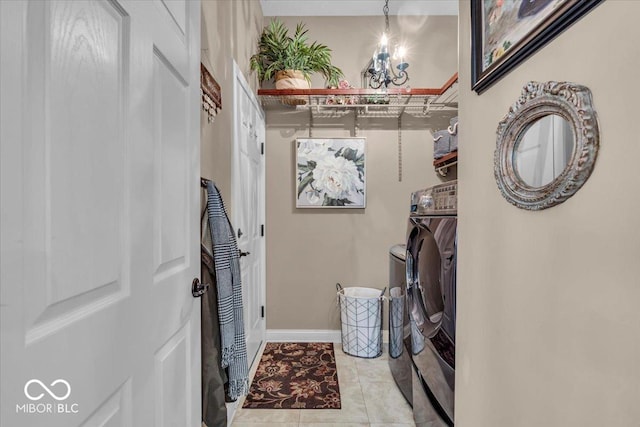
357, 7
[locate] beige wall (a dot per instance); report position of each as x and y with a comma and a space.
548, 315
230, 30
309, 250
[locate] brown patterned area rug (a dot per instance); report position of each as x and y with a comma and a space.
295, 376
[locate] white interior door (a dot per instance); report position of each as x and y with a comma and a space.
100, 208
248, 207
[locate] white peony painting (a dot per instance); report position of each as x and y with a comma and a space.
330, 173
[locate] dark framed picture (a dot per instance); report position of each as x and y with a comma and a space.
505, 32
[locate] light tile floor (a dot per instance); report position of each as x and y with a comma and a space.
370, 398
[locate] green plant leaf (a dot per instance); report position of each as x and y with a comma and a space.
350, 154
303, 184
278, 51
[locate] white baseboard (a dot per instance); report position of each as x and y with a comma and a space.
311, 335
304, 335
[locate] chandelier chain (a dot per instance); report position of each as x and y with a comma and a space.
385, 9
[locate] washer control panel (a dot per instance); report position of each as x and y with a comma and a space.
441, 199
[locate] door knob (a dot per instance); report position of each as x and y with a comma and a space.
240, 233
241, 253
198, 289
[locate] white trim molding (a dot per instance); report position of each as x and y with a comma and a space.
304, 335
311, 335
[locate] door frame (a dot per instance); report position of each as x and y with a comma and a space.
239, 79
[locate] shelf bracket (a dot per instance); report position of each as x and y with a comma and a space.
444, 170
427, 106
356, 124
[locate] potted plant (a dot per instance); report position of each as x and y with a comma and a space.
290, 61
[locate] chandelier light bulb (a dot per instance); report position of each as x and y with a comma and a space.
400, 52
384, 39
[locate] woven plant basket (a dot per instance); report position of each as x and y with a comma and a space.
292, 79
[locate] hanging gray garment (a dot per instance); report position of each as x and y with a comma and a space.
228, 281
214, 377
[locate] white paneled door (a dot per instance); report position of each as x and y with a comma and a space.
100, 208
248, 188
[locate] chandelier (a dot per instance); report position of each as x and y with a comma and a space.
380, 71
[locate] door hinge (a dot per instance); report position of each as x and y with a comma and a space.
262, 311
262, 148
262, 230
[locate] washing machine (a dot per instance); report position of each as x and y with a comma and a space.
399, 329
431, 302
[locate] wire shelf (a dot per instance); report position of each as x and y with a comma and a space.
330, 103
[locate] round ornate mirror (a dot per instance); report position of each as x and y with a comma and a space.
547, 145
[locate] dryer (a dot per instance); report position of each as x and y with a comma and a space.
431, 295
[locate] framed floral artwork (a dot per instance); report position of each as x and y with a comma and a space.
505, 32
330, 173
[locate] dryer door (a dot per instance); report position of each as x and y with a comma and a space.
426, 302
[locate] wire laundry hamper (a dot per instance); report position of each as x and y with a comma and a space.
396, 318
361, 318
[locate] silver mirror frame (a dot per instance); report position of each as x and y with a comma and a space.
572, 102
